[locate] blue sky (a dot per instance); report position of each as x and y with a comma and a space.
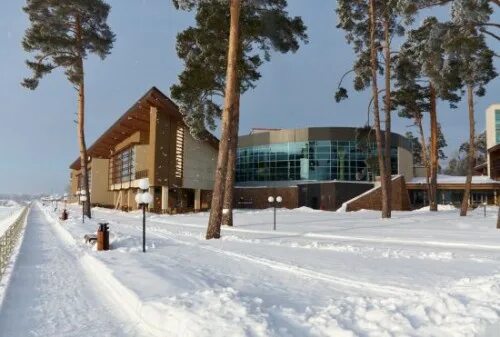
37, 130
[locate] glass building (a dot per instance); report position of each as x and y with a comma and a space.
312, 154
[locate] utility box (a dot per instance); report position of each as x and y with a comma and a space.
103, 236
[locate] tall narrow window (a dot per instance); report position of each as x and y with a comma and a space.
123, 166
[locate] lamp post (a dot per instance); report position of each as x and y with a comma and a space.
143, 198
65, 199
274, 202
83, 199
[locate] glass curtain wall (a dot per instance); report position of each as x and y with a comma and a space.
312, 160
123, 166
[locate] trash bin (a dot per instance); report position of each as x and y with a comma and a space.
103, 236
64, 215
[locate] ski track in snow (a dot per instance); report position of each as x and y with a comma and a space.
347, 238
299, 271
49, 293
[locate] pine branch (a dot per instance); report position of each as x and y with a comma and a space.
490, 34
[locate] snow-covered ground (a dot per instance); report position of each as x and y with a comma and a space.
320, 274
50, 294
9, 212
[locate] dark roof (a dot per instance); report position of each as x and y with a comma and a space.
494, 148
136, 118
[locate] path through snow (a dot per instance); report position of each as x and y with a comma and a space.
49, 294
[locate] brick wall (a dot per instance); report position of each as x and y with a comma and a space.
373, 200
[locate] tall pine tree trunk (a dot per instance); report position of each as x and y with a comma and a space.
376, 112
230, 103
227, 216
83, 147
425, 157
387, 108
81, 124
472, 150
434, 149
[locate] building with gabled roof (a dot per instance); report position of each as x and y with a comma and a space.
150, 140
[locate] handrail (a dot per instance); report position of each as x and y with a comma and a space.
9, 238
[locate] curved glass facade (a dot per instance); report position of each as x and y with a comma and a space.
311, 160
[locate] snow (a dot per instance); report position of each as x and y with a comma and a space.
49, 294
8, 203
446, 179
319, 274
8, 214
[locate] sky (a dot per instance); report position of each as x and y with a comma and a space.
38, 138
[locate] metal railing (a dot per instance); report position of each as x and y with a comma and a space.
9, 239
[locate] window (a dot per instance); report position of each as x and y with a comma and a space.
313, 160
123, 166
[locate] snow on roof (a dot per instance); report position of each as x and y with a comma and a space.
446, 179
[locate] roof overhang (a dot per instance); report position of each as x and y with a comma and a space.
494, 148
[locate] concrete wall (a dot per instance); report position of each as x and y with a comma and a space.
490, 130
99, 184
200, 160
99, 173
405, 163
419, 171
490, 125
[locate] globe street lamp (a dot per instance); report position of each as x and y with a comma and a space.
143, 199
274, 202
65, 198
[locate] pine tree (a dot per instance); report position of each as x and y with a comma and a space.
423, 75
370, 27
481, 151
264, 26
417, 149
61, 35
466, 45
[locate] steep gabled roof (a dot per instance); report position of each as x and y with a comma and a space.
136, 118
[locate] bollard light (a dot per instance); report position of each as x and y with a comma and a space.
83, 199
144, 184
138, 198
143, 199
274, 201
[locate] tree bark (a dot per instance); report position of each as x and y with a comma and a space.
376, 111
498, 218
227, 216
230, 102
387, 108
81, 125
434, 149
425, 157
472, 150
